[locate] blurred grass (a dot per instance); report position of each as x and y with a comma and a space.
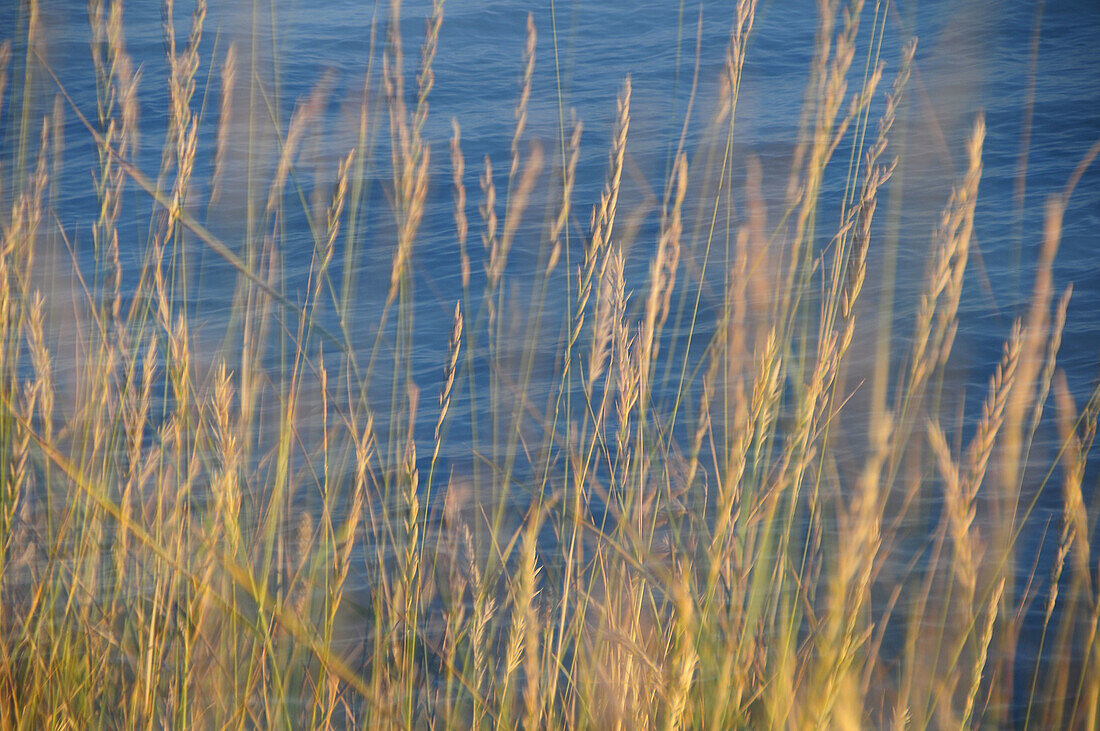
700, 523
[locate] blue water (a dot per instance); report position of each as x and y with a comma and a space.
972, 57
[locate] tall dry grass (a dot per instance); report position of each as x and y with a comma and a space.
697, 524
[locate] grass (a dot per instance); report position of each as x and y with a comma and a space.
258, 518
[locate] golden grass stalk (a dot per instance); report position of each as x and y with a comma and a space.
518, 648
488, 210
935, 322
225, 122
458, 168
569, 175
1077, 434
961, 489
517, 204
662, 270
524, 96
533, 649
982, 655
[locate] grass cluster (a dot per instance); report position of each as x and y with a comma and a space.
738, 503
